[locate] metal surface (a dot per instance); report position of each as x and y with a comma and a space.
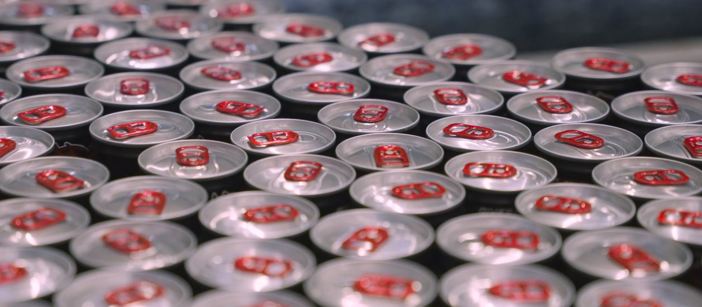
116, 54
477, 99
364, 152
534, 76
478, 132
297, 28
232, 46
577, 108
383, 37
574, 62
251, 75
223, 160
651, 293
29, 143
224, 299
33, 272
617, 142
121, 10
25, 222
177, 25
80, 71
312, 137
241, 12
381, 70
202, 107
159, 90
26, 45
676, 142
11, 14
360, 116
665, 77
491, 49
633, 107
170, 127
80, 111
68, 30
320, 57
296, 87
676, 219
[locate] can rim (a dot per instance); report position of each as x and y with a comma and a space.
277, 84
126, 26
7, 117
594, 99
126, 41
16, 88
475, 70
206, 38
510, 55
549, 130
272, 121
99, 71
267, 70
59, 203
203, 120
660, 203
45, 43
437, 147
106, 140
143, 26
458, 118
422, 39
631, 284
279, 60
631, 74
161, 101
492, 92
658, 152
40, 134
626, 117
363, 70
336, 128
646, 75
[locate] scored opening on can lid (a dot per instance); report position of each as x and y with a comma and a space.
135, 90
679, 142
11, 13
141, 128
23, 143
647, 293
141, 54
587, 142
283, 136
297, 28
360, 116
318, 88
453, 98
121, 10
225, 74
229, 107
514, 77
54, 268
383, 37
676, 219
594, 63
406, 70
478, 132
658, 108
236, 46
26, 45
469, 49
390, 151
218, 298
240, 12
86, 30
37, 222
676, 77
550, 107
320, 57
177, 25
54, 72
52, 112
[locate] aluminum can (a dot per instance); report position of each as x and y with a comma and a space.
587, 143
679, 142
52, 112
233, 47
678, 77
54, 73
384, 38
283, 136
551, 107
465, 50
141, 54
225, 299
515, 77
241, 13
644, 110
319, 57
675, 218
478, 132
31, 14
122, 10
297, 28
390, 151
320, 88
131, 90
361, 116
226, 74
140, 128
39, 222
392, 75
9, 91
20, 45
637, 293
23, 143
80, 35
177, 25
33, 272
443, 99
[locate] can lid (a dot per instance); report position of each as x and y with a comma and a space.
307, 175
319, 88
259, 215
33, 303
648, 178
283, 136
637, 292
587, 142
677, 77
242, 12
32, 13
24, 143
133, 245
500, 171
122, 10
232, 46
22, 45
406, 70
453, 98
550, 107
229, 107
658, 108
320, 57
348, 282
676, 219
251, 265
598, 63
86, 30
297, 28
148, 198
679, 142
141, 128
390, 151
60, 177
135, 89
36, 222
478, 132
575, 206
226, 74
141, 54
177, 25
469, 49
625, 253
359, 116
9, 91
54, 72
217, 298
186, 3
193, 159
384, 37
33, 272
51, 112
514, 77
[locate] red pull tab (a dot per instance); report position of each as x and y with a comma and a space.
237, 10
633, 258
238, 108
608, 65
271, 214
562, 204
463, 52
132, 129
150, 52
467, 131
311, 59
525, 79
147, 202
523, 291
124, 8
663, 105
126, 241
580, 139
134, 86
42, 114
378, 40
30, 10
10, 273
194, 155
370, 113
86, 30
38, 219
45, 73
389, 156
305, 30
367, 239
271, 267
303, 171
519, 239
690, 79
627, 300
451, 96
221, 73
661, 177
6, 146
489, 170
554, 104
693, 145
419, 190
414, 68
59, 181
172, 23
273, 138
136, 292
331, 87
384, 286
7, 46
677, 217
229, 44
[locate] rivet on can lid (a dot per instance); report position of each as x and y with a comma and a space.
451, 96
192, 156
370, 113
134, 86
664, 105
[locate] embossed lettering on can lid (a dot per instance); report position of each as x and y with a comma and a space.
453, 98
390, 151
679, 142
217, 298
203, 107
658, 108
27, 266
637, 292
32, 13
383, 37
514, 77
297, 28
177, 25
225, 74
23, 143
469, 49
232, 46
79, 111
135, 89
550, 107
675, 218
76, 71
321, 57
170, 126
283, 136
376, 115
122, 10
68, 30
23, 45
36, 222
241, 12
141, 54
478, 132
579, 142
676, 77
9, 91
598, 63
319, 88
413, 69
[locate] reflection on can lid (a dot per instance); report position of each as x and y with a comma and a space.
478, 132
384, 37
177, 25
598, 63
677, 77
637, 293
242, 12
232, 46
318, 88
283, 136
122, 10
587, 142
406, 70
321, 57
32, 13
135, 89
18, 45
514, 77
9, 91
359, 116
658, 108
86, 30
676, 219
453, 98
54, 72
134, 128
390, 151
297, 28
215, 298
36, 222
225, 74
469, 49
550, 107
679, 142
23, 143
33, 272
51, 111
141, 54
229, 107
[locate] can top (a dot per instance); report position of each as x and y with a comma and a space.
598, 63
177, 25
54, 72
141, 128
587, 142
122, 10
232, 46
297, 28
217, 298
575, 206
497, 239
679, 142
406, 70
106, 287
259, 215
193, 159
133, 245
648, 177
227, 75
453, 98
372, 235
500, 171
348, 282
250, 265
86, 30
241, 12
26, 143
514, 77
229, 107
141, 54
390, 151
148, 198
33, 272
36, 222
676, 219
135, 89
283, 136
658, 108
319, 88
623, 253
550, 107
677, 77
518, 285
32, 13
469, 49
645, 293
307, 175
22, 179
9, 91
359, 116
383, 37
320, 57
22, 45
39, 111
478, 132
